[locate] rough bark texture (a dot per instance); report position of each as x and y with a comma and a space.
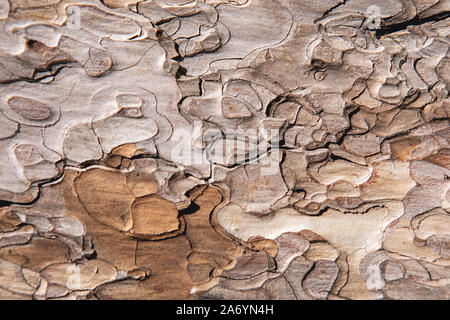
224, 149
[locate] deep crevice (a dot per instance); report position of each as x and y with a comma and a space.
416, 21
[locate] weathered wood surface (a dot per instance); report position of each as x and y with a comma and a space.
228, 149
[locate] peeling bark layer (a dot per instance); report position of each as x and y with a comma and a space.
224, 149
